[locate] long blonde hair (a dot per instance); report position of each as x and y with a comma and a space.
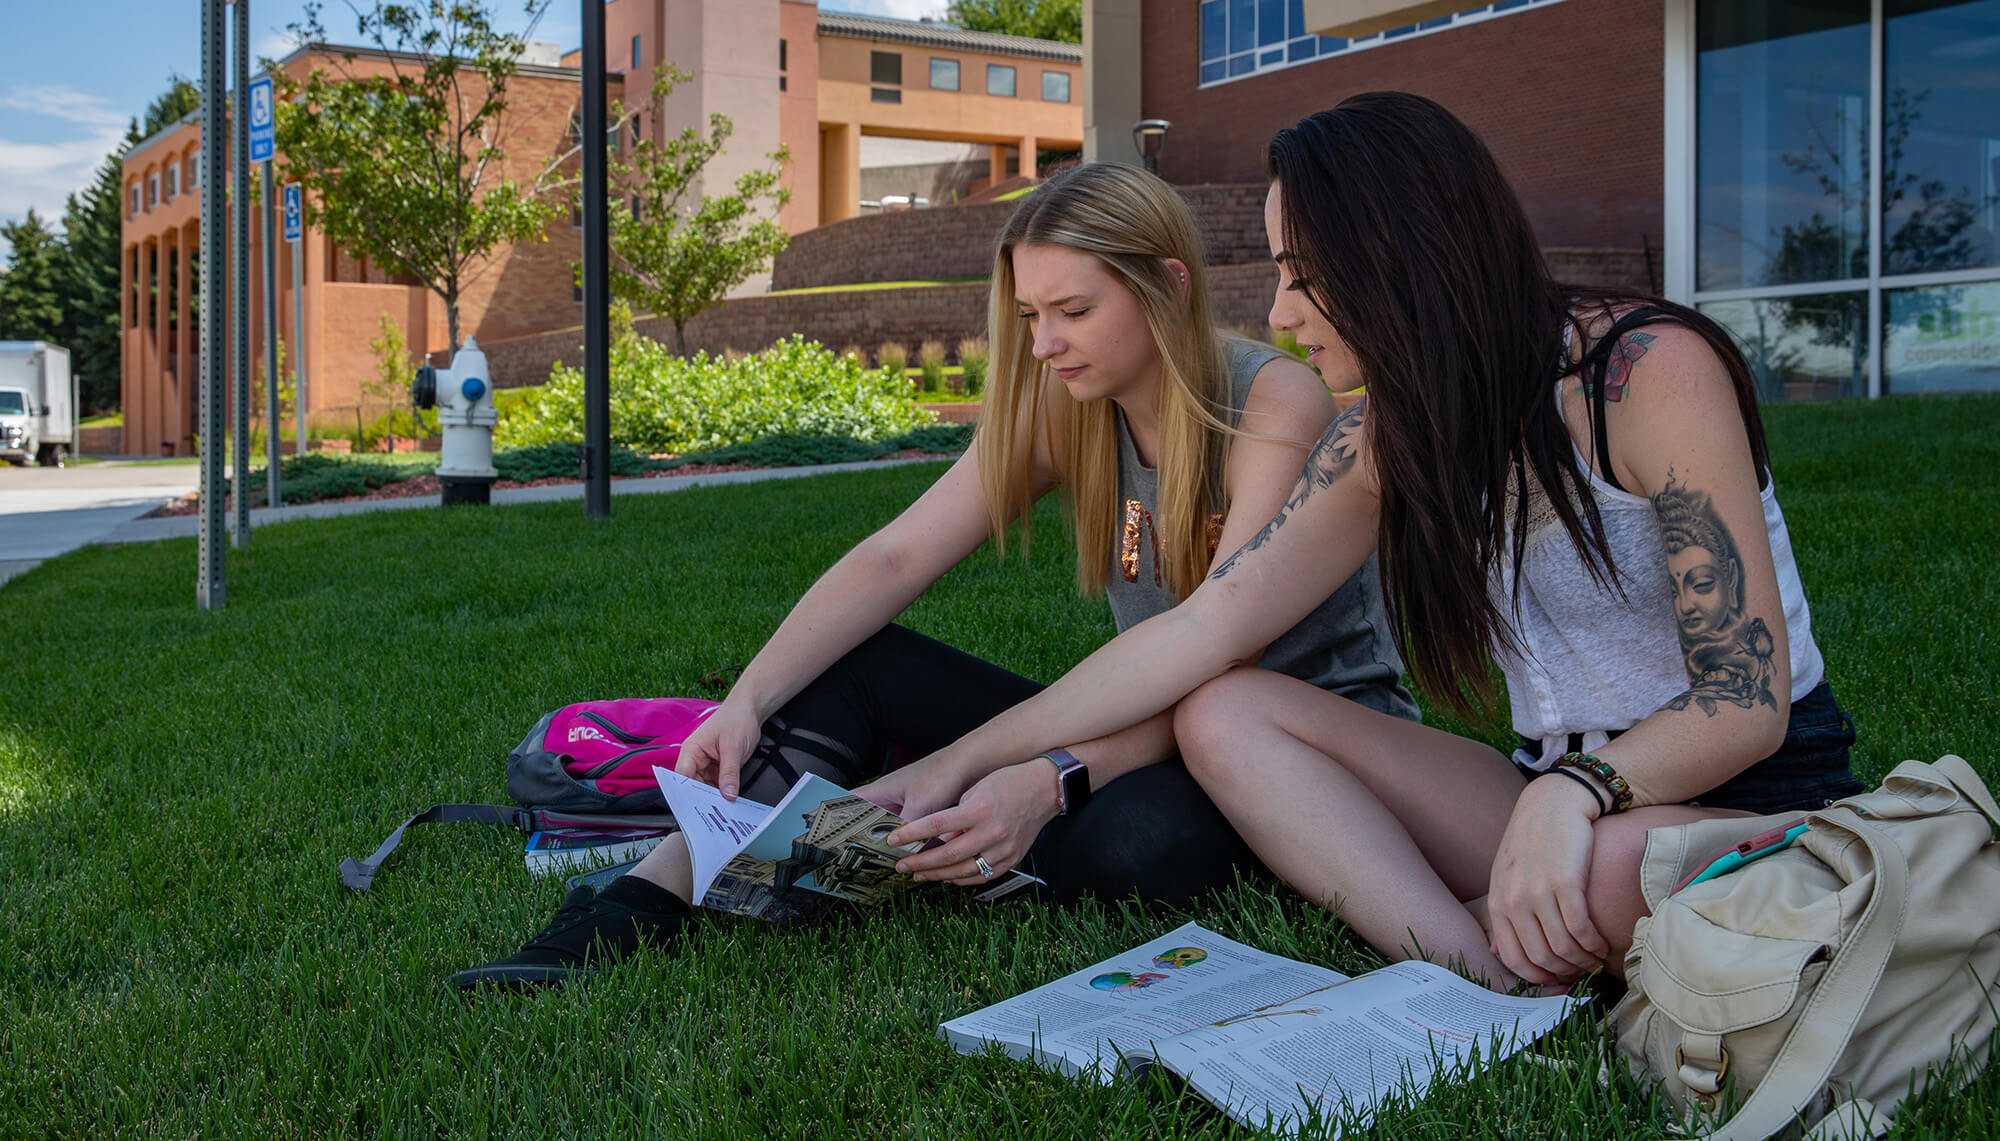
1132, 222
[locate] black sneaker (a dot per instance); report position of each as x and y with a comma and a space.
589, 930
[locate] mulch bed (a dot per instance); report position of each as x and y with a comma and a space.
427, 484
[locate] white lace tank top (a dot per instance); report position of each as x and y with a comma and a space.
1595, 662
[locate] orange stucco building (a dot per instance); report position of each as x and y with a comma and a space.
785, 74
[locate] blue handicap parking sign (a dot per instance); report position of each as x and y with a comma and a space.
294, 212
263, 125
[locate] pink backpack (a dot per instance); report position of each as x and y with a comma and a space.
585, 764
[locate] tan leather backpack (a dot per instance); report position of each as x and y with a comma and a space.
1821, 979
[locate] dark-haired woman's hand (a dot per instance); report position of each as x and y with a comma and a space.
1540, 923
996, 820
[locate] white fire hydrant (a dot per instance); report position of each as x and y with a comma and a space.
463, 397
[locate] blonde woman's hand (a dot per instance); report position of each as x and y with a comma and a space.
717, 748
997, 819
1537, 915
917, 789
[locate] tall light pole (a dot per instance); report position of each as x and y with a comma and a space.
596, 274
239, 278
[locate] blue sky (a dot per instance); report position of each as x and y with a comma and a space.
81, 71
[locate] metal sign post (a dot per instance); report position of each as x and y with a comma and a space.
269, 236
210, 584
263, 132
239, 278
295, 234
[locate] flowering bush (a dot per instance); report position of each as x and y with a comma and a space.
665, 403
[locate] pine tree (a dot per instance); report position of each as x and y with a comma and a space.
89, 286
30, 302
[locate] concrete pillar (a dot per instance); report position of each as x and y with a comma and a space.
839, 171
996, 164
1110, 80
1028, 146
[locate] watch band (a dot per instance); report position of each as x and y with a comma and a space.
1072, 781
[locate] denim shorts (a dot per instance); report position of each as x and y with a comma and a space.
1810, 769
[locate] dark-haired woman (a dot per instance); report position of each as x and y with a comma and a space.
1573, 484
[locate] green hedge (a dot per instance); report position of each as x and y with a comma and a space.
798, 451
664, 403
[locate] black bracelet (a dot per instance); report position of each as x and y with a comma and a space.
1603, 808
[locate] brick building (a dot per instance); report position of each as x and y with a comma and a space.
1823, 178
784, 72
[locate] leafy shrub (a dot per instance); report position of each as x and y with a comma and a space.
560, 461
315, 476
665, 403
972, 359
930, 357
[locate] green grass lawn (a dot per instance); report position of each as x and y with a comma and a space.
179, 958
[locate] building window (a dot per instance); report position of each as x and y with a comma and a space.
152, 191
1245, 37
1055, 87
884, 95
173, 182
781, 83
576, 291
885, 67
635, 53
1782, 237
132, 205
781, 55
1000, 80
635, 207
576, 213
944, 74
194, 169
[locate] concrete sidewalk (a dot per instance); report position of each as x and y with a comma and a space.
183, 526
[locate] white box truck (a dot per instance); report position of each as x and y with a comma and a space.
38, 403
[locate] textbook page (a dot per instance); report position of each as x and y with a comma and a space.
1187, 978
1348, 1046
716, 829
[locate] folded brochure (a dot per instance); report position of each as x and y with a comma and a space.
798, 860
581, 849
1266, 1038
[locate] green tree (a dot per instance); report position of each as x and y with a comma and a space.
89, 284
1041, 19
30, 296
682, 251
405, 168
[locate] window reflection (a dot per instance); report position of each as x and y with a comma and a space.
1941, 136
1783, 134
1813, 347
1942, 340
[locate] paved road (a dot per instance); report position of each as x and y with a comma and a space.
47, 511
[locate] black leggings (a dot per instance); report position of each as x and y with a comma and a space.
1152, 831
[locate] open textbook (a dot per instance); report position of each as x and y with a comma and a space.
1262, 1036
795, 861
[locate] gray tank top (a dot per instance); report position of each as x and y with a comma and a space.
1343, 646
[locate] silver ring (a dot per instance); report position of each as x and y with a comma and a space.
985, 869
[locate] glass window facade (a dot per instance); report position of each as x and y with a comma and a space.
1847, 231
885, 67
944, 74
1055, 87
1000, 80
1244, 37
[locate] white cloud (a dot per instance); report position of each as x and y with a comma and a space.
41, 174
67, 103
902, 9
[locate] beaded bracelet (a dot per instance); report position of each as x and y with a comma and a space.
1603, 806
1619, 788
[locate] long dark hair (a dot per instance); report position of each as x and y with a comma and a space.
1414, 247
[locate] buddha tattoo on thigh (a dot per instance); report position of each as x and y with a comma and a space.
1728, 653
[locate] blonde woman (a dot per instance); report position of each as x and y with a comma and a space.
1170, 442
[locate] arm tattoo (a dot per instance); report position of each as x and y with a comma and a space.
1618, 365
1728, 653
1331, 458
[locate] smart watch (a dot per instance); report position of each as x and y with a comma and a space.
1072, 781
